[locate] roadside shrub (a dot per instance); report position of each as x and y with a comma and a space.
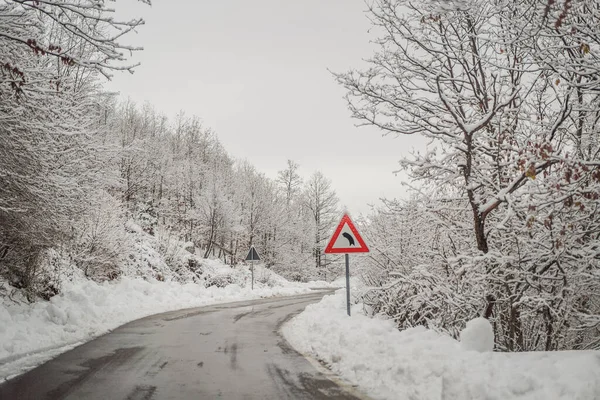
219, 281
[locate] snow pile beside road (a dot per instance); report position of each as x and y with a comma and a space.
422, 364
86, 309
478, 335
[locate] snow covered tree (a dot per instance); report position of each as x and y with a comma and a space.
506, 106
289, 181
321, 203
50, 55
79, 34
293, 239
218, 208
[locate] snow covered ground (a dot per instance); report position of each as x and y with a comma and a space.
420, 364
33, 333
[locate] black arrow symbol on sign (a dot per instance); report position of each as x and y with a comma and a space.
349, 237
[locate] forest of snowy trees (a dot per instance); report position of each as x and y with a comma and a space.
503, 218
502, 215
77, 163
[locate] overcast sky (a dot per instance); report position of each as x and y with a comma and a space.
256, 72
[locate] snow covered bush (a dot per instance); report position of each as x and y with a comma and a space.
437, 281
219, 281
265, 278
146, 217
100, 240
424, 298
290, 270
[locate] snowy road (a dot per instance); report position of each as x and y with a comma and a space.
225, 351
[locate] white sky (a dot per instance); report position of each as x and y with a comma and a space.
257, 73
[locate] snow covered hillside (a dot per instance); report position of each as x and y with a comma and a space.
421, 364
31, 333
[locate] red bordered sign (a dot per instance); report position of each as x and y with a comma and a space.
346, 239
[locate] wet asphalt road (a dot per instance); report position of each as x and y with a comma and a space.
226, 351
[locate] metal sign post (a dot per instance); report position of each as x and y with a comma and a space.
347, 283
346, 239
252, 256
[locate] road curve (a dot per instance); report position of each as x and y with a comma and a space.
226, 351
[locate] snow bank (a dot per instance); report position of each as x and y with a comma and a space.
421, 364
86, 309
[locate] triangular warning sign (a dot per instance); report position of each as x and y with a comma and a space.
346, 239
252, 255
